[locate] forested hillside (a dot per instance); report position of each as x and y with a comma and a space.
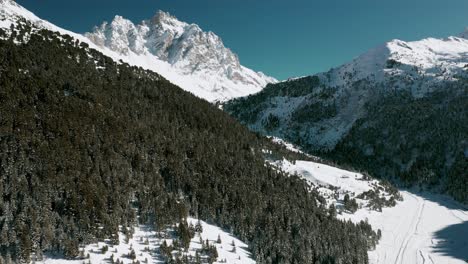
394, 135
423, 141
398, 111
88, 144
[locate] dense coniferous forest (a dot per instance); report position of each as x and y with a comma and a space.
87, 144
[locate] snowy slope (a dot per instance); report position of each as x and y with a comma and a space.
417, 66
321, 109
146, 244
213, 69
199, 63
327, 175
334, 183
423, 228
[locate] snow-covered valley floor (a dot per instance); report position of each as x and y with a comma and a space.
424, 228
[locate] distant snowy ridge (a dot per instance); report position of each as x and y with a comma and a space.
418, 66
426, 61
194, 60
415, 65
215, 70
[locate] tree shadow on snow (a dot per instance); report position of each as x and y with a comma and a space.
453, 241
441, 199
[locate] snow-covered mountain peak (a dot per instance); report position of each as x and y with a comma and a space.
10, 12
165, 17
320, 110
188, 49
168, 22
121, 22
415, 65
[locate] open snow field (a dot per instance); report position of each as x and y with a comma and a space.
423, 228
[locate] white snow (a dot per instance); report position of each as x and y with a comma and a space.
421, 65
225, 248
146, 243
322, 174
423, 228
286, 144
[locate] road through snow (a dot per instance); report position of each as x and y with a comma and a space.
409, 231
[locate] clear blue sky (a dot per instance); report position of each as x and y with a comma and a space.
283, 38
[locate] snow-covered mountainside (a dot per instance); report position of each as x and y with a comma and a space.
215, 71
195, 60
418, 67
347, 191
385, 112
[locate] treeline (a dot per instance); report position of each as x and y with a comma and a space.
87, 144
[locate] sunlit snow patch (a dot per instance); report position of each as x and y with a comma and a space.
145, 243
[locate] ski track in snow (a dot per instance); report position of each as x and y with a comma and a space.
415, 219
408, 230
